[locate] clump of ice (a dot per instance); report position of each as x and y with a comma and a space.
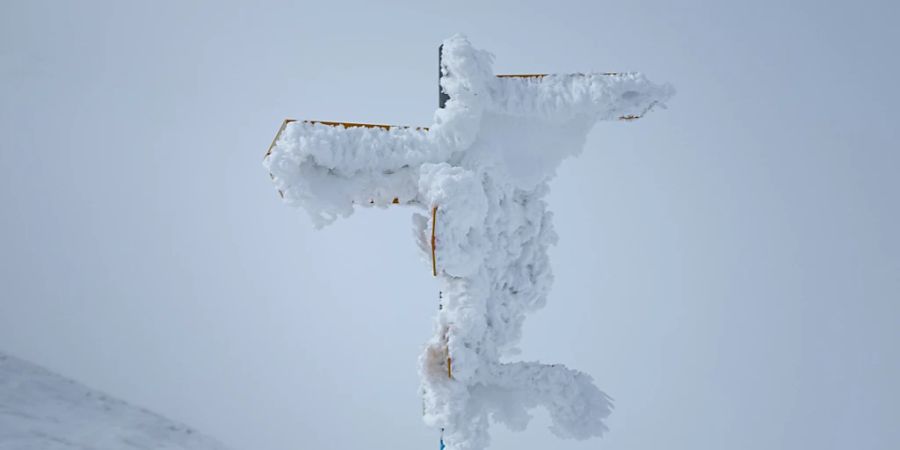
484, 164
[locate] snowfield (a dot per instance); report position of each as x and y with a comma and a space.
40, 410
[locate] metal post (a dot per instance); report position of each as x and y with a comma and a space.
442, 96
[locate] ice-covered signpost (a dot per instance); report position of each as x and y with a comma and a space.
479, 175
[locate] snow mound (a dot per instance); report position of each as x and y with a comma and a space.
40, 410
479, 174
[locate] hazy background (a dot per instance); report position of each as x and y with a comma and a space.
728, 269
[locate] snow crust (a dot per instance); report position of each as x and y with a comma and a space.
40, 410
484, 164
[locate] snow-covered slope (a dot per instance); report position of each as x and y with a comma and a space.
40, 410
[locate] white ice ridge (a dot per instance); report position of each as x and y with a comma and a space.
484, 164
40, 410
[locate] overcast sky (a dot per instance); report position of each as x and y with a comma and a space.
728, 269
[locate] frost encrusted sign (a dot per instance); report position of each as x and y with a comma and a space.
479, 176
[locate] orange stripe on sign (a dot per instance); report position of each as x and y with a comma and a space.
433, 242
360, 125
542, 75
395, 201
638, 116
524, 75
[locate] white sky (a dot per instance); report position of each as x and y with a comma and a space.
728, 269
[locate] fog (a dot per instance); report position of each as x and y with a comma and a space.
728, 269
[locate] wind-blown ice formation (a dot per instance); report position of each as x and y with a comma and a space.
484, 165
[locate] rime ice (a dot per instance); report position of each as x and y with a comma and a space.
484, 164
